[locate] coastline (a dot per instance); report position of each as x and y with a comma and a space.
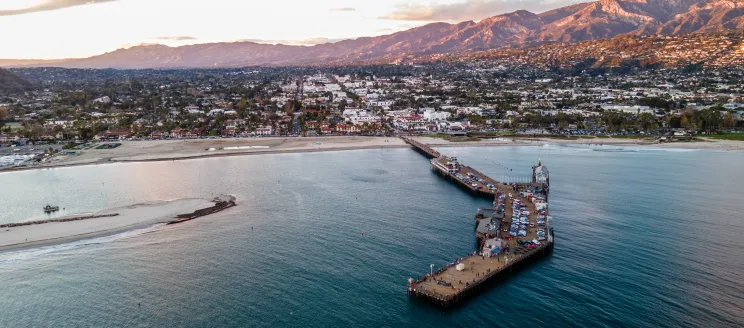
705, 144
282, 146
174, 150
127, 218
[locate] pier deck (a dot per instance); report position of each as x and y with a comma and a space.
448, 286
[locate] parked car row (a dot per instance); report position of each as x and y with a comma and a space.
520, 219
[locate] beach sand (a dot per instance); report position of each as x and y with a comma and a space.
706, 143
161, 150
129, 218
166, 150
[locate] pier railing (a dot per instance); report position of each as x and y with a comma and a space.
447, 300
521, 179
422, 147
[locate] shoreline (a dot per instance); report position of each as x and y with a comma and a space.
73, 238
705, 144
127, 218
213, 154
329, 144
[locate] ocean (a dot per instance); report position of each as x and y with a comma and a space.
644, 238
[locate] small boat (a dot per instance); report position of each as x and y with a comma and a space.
50, 209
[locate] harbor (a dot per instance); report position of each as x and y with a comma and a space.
511, 233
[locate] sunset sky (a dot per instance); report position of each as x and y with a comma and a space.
49, 29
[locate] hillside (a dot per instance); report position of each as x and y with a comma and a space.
717, 49
11, 83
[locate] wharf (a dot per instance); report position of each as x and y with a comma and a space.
449, 168
467, 276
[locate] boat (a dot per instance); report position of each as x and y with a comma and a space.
50, 209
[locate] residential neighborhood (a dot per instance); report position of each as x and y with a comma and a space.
473, 96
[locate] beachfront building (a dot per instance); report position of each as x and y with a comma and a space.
263, 131
346, 128
430, 114
113, 135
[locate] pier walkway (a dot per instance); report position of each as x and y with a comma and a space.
422, 147
450, 285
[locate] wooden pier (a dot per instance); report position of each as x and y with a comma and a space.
423, 148
467, 276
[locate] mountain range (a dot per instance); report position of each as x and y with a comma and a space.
578, 22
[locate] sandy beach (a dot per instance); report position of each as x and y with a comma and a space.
129, 218
706, 143
167, 150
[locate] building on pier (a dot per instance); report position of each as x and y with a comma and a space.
540, 174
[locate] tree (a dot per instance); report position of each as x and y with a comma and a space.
645, 121
708, 119
684, 122
730, 120
33, 131
242, 104
4, 111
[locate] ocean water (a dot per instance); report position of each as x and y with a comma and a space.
644, 238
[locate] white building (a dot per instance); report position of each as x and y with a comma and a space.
628, 109
381, 103
470, 110
102, 100
432, 115
264, 131
216, 111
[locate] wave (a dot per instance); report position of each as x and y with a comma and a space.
636, 149
616, 149
31, 253
560, 146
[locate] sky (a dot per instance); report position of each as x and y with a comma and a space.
55, 29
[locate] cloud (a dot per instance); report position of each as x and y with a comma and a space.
48, 5
140, 44
400, 27
469, 9
303, 42
176, 38
346, 9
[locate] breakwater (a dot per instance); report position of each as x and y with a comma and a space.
221, 203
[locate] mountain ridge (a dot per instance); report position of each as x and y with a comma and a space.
578, 22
